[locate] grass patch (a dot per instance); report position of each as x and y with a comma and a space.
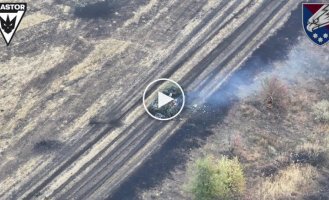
315, 154
290, 183
321, 111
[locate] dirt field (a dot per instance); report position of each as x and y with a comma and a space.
268, 142
72, 124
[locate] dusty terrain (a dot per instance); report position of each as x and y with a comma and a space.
72, 124
284, 152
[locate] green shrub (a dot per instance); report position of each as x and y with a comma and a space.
202, 183
222, 179
321, 111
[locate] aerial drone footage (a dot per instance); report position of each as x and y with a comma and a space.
159, 100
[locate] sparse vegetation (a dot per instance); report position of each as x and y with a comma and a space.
321, 111
315, 154
217, 179
236, 144
274, 94
284, 151
290, 183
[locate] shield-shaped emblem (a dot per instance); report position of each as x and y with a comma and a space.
11, 15
316, 22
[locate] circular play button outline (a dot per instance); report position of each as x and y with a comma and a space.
146, 108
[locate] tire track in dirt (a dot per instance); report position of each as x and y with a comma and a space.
132, 152
126, 145
267, 29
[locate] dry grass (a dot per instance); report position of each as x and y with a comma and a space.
143, 10
274, 94
34, 19
321, 111
315, 154
291, 183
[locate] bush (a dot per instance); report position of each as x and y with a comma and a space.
321, 111
202, 184
274, 94
222, 179
290, 183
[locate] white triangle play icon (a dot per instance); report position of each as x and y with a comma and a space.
163, 99
11, 15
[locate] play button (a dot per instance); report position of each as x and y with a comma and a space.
163, 99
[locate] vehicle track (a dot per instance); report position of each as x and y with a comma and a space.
107, 129
89, 138
133, 138
125, 146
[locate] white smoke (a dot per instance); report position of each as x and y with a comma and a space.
304, 58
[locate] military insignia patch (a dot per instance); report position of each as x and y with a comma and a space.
11, 14
316, 22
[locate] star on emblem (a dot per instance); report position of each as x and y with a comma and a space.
320, 40
325, 35
315, 35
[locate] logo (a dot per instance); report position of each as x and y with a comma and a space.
316, 22
11, 15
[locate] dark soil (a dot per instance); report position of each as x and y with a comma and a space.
175, 152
